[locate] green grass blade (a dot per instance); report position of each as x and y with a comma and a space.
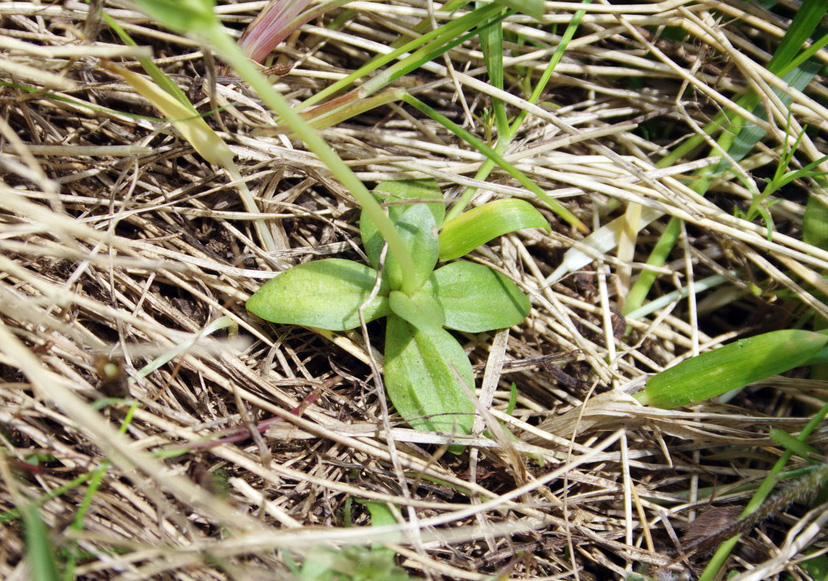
39, 548
505, 138
77, 522
337, 111
150, 67
730, 367
639, 291
800, 30
94, 484
554, 205
740, 137
438, 37
432, 50
801, 449
491, 42
667, 299
15, 513
805, 21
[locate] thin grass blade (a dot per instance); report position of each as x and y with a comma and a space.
504, 139
509, 168
740, 136
38, 545
438, 37
191, 126
491, 42
150, 67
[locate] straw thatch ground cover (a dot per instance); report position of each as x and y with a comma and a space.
120, 246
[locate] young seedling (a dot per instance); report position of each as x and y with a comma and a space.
427, 373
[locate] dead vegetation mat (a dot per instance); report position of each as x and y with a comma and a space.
250, 443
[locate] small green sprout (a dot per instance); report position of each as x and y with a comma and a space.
427, 373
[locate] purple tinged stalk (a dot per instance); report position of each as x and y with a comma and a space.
273, 25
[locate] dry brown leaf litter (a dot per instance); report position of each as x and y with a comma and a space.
119, 242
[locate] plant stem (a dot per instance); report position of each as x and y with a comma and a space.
229, 50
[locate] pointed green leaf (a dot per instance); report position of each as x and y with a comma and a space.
421, 372
423, 311
395, 194
382, 516
325, 294
476, 298
479, 225
730, 367
491, 42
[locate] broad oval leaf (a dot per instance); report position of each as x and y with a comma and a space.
476, 298
423, 312
479, 225
394, 194
421, 376
325, 294
730, 367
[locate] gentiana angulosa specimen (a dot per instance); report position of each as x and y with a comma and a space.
428, 376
